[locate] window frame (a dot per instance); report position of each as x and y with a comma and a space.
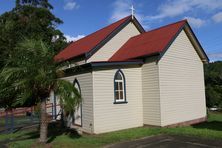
122, 100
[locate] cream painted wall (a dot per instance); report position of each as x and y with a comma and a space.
181, 79
111, 117
86, 86
106, 52
151, 93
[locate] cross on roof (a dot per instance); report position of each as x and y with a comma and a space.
132, 11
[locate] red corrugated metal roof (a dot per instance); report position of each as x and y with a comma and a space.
148, 43
87, 43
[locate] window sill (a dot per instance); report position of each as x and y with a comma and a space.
122, 102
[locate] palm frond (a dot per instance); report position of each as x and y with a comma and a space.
68, 94
21, 98
12, 73
31, 74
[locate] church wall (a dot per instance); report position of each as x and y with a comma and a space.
181, 75
109, 116
151, 93
86, 86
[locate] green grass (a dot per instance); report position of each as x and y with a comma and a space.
216, 116
212, 129
70, 138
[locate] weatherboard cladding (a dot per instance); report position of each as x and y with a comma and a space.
86, 85
181, 83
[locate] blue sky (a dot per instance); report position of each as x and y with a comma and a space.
82, 17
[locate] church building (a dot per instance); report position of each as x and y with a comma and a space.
129, 77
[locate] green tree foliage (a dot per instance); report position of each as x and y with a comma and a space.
213, 82
32, 72
29, 19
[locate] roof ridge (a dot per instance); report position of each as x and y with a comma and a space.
89, 42
105, 27
185, 20
125, 20
148, 43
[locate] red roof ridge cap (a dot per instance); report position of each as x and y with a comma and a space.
185, 21
127, 17
71, 51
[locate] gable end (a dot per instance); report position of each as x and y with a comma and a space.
194, 41
197, 46
115, 32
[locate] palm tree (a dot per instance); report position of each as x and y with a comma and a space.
33, 74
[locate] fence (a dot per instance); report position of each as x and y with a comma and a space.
12, 120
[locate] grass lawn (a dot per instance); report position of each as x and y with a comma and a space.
69, 138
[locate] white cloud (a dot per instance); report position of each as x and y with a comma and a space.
195, 22
215, 56
173, 8
217, 17
170, 9
72, 38
122, 9
70, 5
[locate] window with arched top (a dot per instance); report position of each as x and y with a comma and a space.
76, 85
119, 87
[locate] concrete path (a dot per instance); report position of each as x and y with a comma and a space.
166, 141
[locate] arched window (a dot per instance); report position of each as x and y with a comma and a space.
76, 85
119, 87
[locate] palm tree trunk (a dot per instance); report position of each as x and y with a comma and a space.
43, 122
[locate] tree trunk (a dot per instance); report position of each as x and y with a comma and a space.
43, 122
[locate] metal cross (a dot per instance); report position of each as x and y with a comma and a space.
132, 11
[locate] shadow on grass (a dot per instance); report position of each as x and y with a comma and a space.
211, 125
54, 130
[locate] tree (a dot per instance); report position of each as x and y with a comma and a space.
35, 3
213, 81
33, 74
29, 19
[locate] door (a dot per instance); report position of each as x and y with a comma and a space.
78, 109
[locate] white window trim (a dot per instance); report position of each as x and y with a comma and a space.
123, 99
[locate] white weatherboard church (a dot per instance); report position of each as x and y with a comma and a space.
129, 77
